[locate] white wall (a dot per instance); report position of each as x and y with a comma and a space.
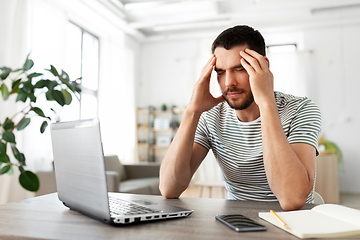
336, 52
170, 68
167, 73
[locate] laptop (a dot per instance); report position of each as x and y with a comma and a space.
81, 179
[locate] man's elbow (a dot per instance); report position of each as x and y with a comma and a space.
168, 192
291, 203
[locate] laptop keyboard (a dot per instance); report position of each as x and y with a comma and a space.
122, 207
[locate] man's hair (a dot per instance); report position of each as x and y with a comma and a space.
240, 35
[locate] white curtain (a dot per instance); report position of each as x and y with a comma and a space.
12, 54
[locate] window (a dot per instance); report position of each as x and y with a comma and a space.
289, 68
82, 60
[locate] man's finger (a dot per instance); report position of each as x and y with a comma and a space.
206, 73
209, 62
249, 69
260, 58
251, 61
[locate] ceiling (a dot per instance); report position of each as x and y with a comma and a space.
148, 19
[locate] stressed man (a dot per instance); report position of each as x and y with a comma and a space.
265, 141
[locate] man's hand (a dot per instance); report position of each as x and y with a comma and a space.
201, 99
260, 77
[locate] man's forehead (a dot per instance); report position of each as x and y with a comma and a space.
237, 47
228, 58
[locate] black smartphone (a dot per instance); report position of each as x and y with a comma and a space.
240, 223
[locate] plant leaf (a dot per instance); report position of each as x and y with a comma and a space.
32, 96
17, 154
8, 137
4, 91
43, 126
39, 112
2, 147
28, 64
67, 96
51, 84
4, 158
23, 124
5, 72
22, 96
10, 171
8, 125
21, 169
41, 83
34, 74
5, 169
64, 76
53, 71
49, 95
15, 85
59, 97
27, 86
29, 181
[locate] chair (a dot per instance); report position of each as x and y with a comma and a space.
126, 178
318, 198
132, 178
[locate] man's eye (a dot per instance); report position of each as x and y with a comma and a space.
239, 69
220, 73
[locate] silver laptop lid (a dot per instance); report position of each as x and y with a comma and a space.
80, 168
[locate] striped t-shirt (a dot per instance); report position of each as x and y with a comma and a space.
237, 145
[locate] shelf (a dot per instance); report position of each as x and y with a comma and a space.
156, 112
156, 130
159, 147
164, 132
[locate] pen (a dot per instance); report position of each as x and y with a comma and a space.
278, 218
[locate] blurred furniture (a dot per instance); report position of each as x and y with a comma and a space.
126, 178
132, 178
327, 179
318, 198
47, 183
211, 189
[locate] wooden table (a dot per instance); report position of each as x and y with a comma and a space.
47, 218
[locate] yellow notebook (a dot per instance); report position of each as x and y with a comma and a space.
322, 221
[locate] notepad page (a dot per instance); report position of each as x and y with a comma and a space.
308, 223
343, 213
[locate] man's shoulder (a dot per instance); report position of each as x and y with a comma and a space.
284, 99
289, 104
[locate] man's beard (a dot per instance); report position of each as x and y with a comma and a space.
249, 99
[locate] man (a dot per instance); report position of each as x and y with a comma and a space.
265, 141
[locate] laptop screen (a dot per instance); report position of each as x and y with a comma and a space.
79, 167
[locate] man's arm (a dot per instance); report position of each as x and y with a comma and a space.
184, 156
290, 168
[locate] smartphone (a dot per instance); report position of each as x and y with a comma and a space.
240, 223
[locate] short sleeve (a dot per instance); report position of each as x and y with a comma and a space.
202, 133
306, 124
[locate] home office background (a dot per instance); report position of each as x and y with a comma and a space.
140, 59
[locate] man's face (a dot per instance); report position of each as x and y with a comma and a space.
233, 78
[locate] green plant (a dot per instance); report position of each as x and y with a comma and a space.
27, 87
331, 147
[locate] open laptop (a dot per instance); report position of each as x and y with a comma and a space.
81, 179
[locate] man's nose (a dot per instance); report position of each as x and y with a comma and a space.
230, 80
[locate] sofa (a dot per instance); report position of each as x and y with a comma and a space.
132, 178
141, 178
